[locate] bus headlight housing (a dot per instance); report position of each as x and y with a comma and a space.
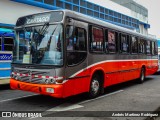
49, 81
52, 81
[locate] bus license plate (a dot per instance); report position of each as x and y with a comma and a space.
50, 90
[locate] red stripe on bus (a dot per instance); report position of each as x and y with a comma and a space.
47, 76
39, 76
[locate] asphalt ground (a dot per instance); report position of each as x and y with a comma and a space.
125, 97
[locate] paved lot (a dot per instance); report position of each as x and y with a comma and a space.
127, 97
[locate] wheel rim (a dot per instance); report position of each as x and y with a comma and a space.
95, 86
142, 75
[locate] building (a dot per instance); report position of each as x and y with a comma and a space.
128, 14
137, 11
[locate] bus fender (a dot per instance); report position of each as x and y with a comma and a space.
96, 70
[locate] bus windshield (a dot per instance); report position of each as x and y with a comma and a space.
39, 45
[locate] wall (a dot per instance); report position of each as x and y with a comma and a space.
113, 6
10, 9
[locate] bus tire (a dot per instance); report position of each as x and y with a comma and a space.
142, 75
95, 86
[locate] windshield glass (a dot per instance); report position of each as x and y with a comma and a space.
39, 45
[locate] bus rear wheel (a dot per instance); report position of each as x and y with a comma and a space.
142, 75
95, 86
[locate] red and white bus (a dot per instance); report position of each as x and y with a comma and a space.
64, 53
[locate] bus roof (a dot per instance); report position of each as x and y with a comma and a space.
98, 22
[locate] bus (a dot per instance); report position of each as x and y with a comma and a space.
62, 53
158, 41
6, 48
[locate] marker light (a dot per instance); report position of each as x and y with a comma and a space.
59, 81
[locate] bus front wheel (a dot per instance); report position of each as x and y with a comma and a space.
95, 86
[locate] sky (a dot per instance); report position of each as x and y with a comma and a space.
153, 7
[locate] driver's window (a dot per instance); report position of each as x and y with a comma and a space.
76, 45
69, 37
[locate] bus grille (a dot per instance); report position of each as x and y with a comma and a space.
30, 79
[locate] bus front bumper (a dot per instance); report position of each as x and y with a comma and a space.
55, 90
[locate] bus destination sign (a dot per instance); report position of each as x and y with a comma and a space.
56, 16
38, 19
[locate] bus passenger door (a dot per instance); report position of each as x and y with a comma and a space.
76, 57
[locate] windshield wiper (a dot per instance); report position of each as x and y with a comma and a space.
44, 28
41, 32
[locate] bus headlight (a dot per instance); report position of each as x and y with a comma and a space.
46, 81
52, 81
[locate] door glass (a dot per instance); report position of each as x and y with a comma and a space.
76, 45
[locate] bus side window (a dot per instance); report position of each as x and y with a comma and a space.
8, 44
124, 43
69, 37
153, 48
156, 48
110, 44
78, 50
0, 43
148, 47
80, 39
141, 46
134, 44
97, 40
